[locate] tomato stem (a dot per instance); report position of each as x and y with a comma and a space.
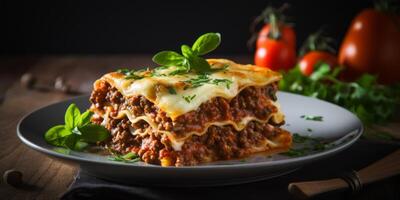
272, 16
317, 42
273, 21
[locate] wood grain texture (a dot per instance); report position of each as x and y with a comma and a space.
388, 166
304, 190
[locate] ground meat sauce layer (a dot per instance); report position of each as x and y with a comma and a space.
219, 143
251, 101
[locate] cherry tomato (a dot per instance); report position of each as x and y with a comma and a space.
311, 58
287, 35
275, 55
372, 45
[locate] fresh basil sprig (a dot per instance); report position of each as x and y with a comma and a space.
190, 59
77, 132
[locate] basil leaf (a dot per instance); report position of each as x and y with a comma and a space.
187, 51
79, 146
93, 133
190, 60
84, 119
62, 150
70, 141
72, 117
54, 135
200, 64
168, 58
76, 131
206, 43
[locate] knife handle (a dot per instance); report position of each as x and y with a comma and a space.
384, 168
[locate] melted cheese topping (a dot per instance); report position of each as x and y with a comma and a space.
155, 88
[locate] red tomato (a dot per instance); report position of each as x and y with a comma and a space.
311, 58
287, 35
372, 45
275, 55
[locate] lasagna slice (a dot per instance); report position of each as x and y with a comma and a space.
174, 119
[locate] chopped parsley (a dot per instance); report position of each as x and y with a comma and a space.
189, 98
309, 145
312, 117
309, 129
127, 158
171, 90
297, 138
131, 74
205, 79
198, 81
294, 152
223, 81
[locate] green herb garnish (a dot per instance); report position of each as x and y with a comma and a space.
127, 158
308, 144
131, 73
204, 79
297, 138
198, 81
190, 59
77, 131
312, 117
171, 90
62, 150
223, 81
294, 152
189, 98
370, 101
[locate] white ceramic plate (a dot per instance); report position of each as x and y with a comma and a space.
339, 128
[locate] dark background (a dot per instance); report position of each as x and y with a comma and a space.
104, 27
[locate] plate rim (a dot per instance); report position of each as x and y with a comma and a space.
273, 163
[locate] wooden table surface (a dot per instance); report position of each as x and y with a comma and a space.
46, 178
